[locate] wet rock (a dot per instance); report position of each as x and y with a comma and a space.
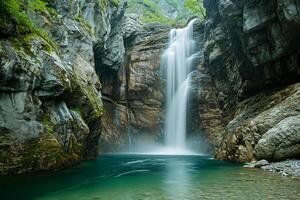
261, 163
204, 101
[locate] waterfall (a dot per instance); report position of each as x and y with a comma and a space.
177, 60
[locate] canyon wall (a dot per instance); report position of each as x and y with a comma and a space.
84, 77
50, 99
252, 54
133, 93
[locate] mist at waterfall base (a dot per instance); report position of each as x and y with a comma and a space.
177, 61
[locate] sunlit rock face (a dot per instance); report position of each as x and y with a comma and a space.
251, 52
50, 100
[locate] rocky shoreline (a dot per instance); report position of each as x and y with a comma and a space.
289, 168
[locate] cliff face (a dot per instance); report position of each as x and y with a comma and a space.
133, 93
251, 52
244, 94
50, 100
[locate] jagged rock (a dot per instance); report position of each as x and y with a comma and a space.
132, 27
251, 45
50, 100
254, 118
251, 52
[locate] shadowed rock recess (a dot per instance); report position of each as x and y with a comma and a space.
82, 77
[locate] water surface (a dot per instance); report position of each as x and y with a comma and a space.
139, 177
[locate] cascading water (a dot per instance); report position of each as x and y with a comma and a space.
177, 60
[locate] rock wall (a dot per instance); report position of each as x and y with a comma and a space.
55, 112
134, 91
252, 53
50, 99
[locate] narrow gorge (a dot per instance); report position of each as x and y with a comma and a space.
149, 99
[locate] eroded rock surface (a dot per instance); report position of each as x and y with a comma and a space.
251, 52
282, 141
50, 99
134, 92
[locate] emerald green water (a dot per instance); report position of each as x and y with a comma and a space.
139, 177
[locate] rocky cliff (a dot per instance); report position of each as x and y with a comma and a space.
78, 78
251, 52
50, 100
133, 93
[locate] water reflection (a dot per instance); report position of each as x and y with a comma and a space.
177, 179
140, 177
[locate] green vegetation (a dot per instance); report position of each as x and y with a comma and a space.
196, 7
12, 13
85, 24
154, 13
14, 20
77, 110
103, 3
151, 10
42, 6
115, 2
46, 153
48, 124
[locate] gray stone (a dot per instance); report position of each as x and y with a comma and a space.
280, 142
261, 163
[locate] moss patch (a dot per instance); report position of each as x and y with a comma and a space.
85, 24
42, 6
14, 21
45, 153
115, 2
42, 154
77, 110
13, 16
49, 126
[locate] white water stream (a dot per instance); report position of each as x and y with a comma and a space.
177, 60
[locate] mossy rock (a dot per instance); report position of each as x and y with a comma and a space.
13, 18
42, 154
85, 24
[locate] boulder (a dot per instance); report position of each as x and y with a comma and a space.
280, 142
